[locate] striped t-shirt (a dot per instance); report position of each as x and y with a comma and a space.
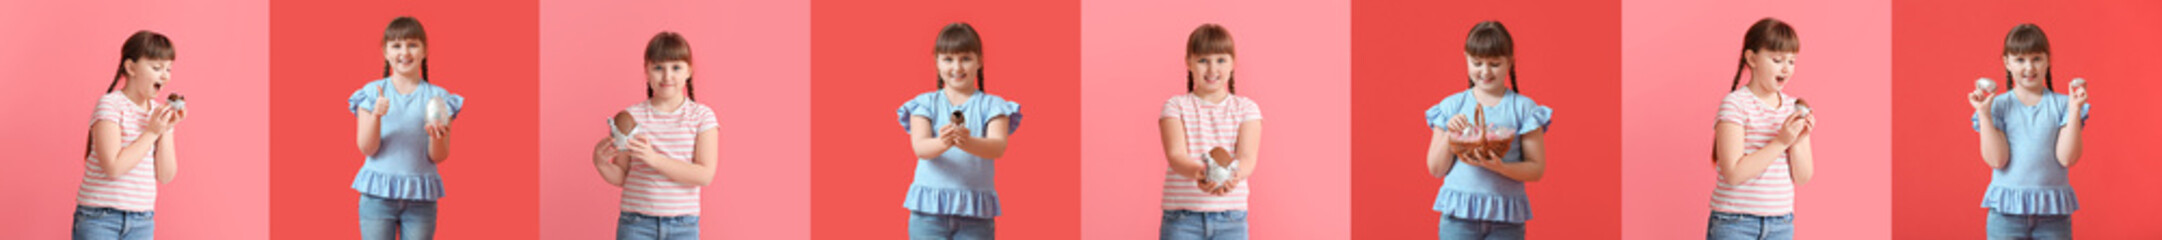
675, 134
1208, 126
1772, 192
137, 190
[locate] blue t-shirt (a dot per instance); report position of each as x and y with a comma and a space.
400, 168
1471, 192
957, 183
2031, 182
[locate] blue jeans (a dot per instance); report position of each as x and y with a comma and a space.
386, 219
1744, 226
1458, 228
100, 223
641, 226
2015, 226
1193, 225
925, 226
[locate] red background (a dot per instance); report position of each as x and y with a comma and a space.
325, 50
1940, 47
867, 57
1408, 55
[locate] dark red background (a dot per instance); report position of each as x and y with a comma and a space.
322, 51
1408, 55
1940, 47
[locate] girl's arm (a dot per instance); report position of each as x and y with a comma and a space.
706, 158
1995, 150
168, 162
927, 145
118, 159
1533, 167
438, 143
2068, 142
1736, 168
1438, 159
612, 166
993, 143
371, 132
1174, 138
1249, 150
1799, 165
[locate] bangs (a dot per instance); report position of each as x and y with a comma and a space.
958, 38
2025, 39
405, 28
147, 45
1771, 34
668, 46
1489, 39
1210, 39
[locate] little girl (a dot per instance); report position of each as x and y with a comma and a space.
1207, 118
404, 130
674, 147
1761, 142
954, 195
2029, 139
1482, 192
131, 145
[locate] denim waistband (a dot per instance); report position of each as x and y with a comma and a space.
115, 211
683, 218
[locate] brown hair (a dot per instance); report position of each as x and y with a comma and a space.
2027, 39
404, 28
1210, 38
143, 45
1766, 34
959, 38
669, 46
1490, 39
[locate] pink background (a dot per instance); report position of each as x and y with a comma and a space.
751, 65
1678, 57
1296, 66
62, 56
1944, 45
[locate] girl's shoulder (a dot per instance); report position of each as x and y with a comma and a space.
993, 98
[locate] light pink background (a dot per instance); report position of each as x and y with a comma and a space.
1678, 58
1294, 60
751, 65
61, 56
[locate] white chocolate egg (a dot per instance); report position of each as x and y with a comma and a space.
1985, 85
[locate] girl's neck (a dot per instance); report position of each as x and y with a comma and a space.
2028, 94
665, 103
1212, 95
139, 95
404, 79
1764, 92
1488, 96
958, 95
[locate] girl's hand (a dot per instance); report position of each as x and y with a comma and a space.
604, 153
1458, 123
1206, 186
1482, 159
1793, 129
1980, 100
438, 132
1226, 187
2079, 98
382, 103
642, 149
161, 121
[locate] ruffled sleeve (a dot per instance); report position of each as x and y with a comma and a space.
363, 99
1534, 117
456, 102
1438, 116
918, 106
1996, 116
2082, 116
1011, 110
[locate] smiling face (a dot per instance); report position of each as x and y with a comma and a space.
147, 76
405, 56
1488, 73
668, 79
1770, 69
1211, 72
2027, 69
959, 70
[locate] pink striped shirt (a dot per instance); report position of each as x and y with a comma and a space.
137, 190
675, 134
1772, 192
1208, 126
